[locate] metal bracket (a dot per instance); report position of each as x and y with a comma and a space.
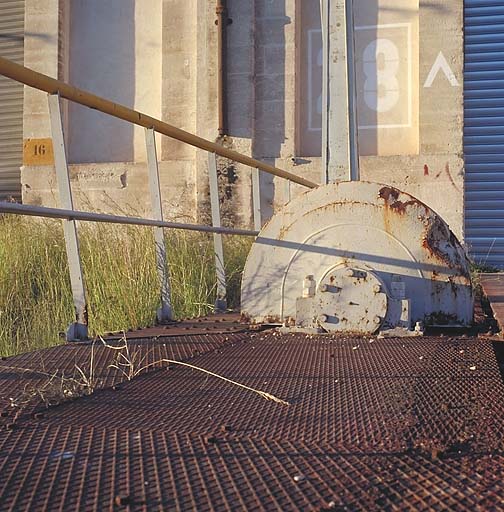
221, 300
256, 198
78, 330
165, 312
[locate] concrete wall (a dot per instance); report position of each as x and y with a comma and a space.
117, 49
161, 58
434, 170
436, 174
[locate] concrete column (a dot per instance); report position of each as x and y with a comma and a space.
237, 178
275, 128
178, 103
205, 98
435, 174
42, 53
45, 50
148, 68
234, 179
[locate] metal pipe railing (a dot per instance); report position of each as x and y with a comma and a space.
52, 86
58, 213
78, 330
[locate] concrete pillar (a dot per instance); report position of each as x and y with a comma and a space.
179, 66
45, 50
235, 181
434, 173
43, 19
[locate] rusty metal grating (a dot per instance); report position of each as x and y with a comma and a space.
31, 370
356, 395
373, 424
86, 468
218, 323
493, 289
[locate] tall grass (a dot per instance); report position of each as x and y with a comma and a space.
120, 276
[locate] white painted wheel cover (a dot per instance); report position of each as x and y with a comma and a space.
367, 225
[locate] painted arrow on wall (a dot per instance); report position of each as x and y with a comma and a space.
441, 64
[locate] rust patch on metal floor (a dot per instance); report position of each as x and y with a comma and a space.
493, 289
388, 424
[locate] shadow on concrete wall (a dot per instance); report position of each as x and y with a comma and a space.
367, 80
269, 127
256, 81
270, 81
102, 61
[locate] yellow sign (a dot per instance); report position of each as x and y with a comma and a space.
38, 152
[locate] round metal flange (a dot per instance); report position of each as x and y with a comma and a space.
348, 302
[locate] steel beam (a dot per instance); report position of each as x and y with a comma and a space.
324, 23
353, 130
165, 312
78, 330
339, 119
220, 301
287, 192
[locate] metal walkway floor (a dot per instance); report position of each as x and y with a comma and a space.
394, 424
493, 288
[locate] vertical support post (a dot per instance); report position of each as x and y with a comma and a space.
353, 128
324, 23
78, 330
256, 198
220, 301
339, 114
165, 312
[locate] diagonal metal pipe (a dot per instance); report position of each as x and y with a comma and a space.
60, 213
52, 86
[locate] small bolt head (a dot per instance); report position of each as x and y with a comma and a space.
377, 320
324, 288
377, 288
122, 500
322, 318
349, 272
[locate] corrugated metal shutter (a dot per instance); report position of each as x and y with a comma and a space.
484, 130
11, 99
